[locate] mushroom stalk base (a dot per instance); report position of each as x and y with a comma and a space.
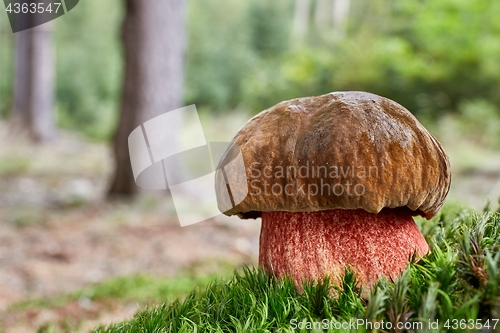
309, 245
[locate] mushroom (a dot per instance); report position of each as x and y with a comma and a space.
337, 180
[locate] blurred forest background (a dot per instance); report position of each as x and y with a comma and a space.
440, 59
435, 58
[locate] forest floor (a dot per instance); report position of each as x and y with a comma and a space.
59, 235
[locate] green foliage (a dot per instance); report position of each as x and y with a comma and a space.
14, 165
431, 56
269, 27
88, 67
143, 289
6, 65
223, 49
88, 54
479, 120
459, 280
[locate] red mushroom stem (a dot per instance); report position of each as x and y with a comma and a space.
310, 245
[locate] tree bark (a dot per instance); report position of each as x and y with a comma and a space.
340, 14
32, 113
154, 41
301, 18
322, 11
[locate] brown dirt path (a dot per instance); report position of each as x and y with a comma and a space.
58, 234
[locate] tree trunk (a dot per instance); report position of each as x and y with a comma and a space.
322, 12
340, 14
301, 18
32, 113
153, 39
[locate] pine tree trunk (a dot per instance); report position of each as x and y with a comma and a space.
301, 18
322, 12
340, 15
34, 84
154, 41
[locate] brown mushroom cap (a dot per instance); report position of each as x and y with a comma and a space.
345, 133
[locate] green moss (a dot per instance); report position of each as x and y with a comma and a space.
141, 288
459, 280
14, 165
